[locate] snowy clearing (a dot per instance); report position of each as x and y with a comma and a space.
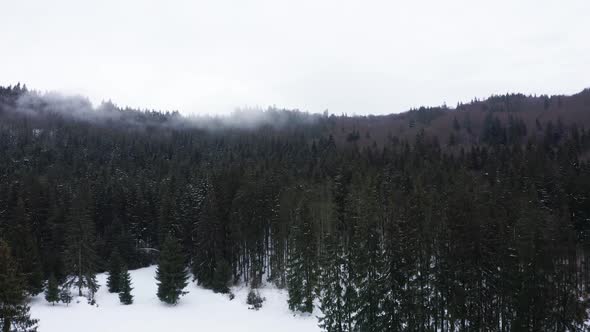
199, 310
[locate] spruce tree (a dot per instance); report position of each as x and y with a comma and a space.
332, 301
204, 235
370, 287
114, 278
171, 273
370, 265
394, 278
92, 289
25, 248
30, 265
221, 277
125, 287
294, 282
14, 310
52, 290
254, 299
302, 269
64, 295
80, 253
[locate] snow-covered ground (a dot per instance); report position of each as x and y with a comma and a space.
199, 310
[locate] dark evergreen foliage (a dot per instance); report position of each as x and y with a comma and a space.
125, 287
394, 231
64, 295
172, 274
115, 270
14, 311
80, 254
221, 277
302, 267
52, 290
254, 300
336, 288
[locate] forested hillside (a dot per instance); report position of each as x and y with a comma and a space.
474, 218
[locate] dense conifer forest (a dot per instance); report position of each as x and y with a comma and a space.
474, 218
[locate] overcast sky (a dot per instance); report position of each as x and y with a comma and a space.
346, 56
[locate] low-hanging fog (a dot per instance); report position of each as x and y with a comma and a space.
363, 57
50, 104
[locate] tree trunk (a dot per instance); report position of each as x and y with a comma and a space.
80, 271
6, 325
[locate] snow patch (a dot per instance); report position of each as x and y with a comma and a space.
199, 310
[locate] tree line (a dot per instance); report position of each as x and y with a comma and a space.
399, 236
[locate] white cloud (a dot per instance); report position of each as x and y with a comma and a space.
347, 56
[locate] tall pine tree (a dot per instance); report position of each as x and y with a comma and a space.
80, 253
302, 265
52, 290
172, 274
14, 311
335, 287
125, 287
114, 278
